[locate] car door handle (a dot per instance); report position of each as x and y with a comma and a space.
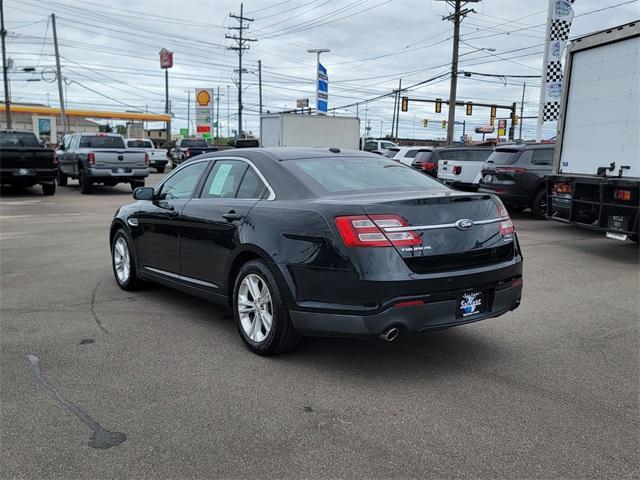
230, 216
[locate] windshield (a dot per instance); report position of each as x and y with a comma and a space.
193, 143
504, 157
139, 144
333, 175
106, 141
391, 152
18, 139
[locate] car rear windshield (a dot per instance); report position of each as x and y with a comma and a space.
504, 157
344, 174
413, 153
107, 141
18, 139
466, 155
139, 144
193, 143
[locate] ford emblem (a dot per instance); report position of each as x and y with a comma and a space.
464, 224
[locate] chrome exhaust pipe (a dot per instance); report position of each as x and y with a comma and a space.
390, 334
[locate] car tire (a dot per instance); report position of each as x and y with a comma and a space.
539, 205
123, 262
160, 169
49, 188
62, 179
84, 183
136, 183
270, 337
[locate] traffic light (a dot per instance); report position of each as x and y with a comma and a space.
438, 105
469, 108
405, 104
515, 120
425, 122
491, 121
444, 124
494, 111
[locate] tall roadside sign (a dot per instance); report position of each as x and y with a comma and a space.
166, 62
323, 90
204, 112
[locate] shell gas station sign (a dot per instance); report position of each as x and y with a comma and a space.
204, 112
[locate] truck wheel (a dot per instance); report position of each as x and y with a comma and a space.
49, 188
261, 314
160, 169
84, 183
62, 179
539, 205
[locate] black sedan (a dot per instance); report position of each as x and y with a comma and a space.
320, 242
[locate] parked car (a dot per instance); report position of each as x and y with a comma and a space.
320, 242
24, 162
189, 147
158, 157
462, 167
516, 173
101, 158
377, 146
407, 155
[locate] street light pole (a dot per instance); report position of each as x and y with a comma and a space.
317, 51
524, 87
188, 110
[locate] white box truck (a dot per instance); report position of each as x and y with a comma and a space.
294, 130
596, 171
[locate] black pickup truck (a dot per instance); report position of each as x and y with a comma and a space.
24, 162
190, 147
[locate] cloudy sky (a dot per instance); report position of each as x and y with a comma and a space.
110, 54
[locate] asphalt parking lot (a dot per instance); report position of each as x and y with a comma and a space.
547, 391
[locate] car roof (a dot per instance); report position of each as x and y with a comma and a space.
525, 146
290, 153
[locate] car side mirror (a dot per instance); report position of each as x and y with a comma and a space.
143, 193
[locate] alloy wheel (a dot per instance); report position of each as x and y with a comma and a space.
255, 308
121, 260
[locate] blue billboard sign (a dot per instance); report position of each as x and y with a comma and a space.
322, 93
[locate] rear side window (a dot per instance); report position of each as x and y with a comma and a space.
18, 140
343, 174
542, 156
251, 186
224, 179
93, 141
369, 146
387, 145
391, 152
504, 157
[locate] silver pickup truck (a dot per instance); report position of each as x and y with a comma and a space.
101, 158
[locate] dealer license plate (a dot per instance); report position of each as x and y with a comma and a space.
471, 303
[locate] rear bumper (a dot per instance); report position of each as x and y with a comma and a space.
13, 176
412, 319
506, 194
460, 185
156, 162
134, 173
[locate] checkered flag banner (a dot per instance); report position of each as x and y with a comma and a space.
559, 25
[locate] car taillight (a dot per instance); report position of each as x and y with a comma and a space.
623, 195
369, 231
457, 170
511, 169
428, 166
506, 225
562, 188
146, 159
187, 152
55, 160
91, 158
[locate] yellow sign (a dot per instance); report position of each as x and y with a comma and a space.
203, 98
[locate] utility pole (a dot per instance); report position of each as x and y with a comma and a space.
5, 68
240, 46
398, 116
524, 87
395, 107
218, 113
260, 83
453, 89
188, 110
63, 119
228, 117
